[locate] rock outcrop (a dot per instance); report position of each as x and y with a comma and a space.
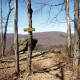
23, 44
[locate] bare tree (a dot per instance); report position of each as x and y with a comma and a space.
29, 37
16, 46
76, 59
68, 27
3, 34
5, 30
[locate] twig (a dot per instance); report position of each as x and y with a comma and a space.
58, 13
51, 5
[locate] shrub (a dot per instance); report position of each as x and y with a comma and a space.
56, 46
66, 48
38, 48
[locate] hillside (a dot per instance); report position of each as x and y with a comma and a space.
46, 65
46, 40
49, 40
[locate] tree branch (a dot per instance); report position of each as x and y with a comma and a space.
51, 5
58, 13
10, 9
6, 24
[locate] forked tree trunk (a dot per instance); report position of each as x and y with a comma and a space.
68, 27
6, 24
16, 36
3, 35
76, 59
29, 37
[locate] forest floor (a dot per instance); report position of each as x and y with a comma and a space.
45, 66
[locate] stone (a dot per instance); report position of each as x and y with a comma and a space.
23, 44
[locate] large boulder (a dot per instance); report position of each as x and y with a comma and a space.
23, 44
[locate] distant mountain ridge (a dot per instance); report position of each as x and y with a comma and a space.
46, 40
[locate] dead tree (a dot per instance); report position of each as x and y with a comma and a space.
29, 37
68, 27
16, 47
76, 59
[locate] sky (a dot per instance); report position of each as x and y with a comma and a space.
42, 20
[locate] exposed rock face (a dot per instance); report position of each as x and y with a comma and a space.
23, 44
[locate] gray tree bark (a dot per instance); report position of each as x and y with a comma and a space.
16, 47
29, 37
76, 59
68, 27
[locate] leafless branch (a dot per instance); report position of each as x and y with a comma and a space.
42, 6
51, 5
58, 13
10, 9
46, 4
71, 20
49, 12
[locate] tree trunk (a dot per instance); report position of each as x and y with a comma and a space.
68, 28
2, 31
5, 30
29, 37
16, 47
76, 59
